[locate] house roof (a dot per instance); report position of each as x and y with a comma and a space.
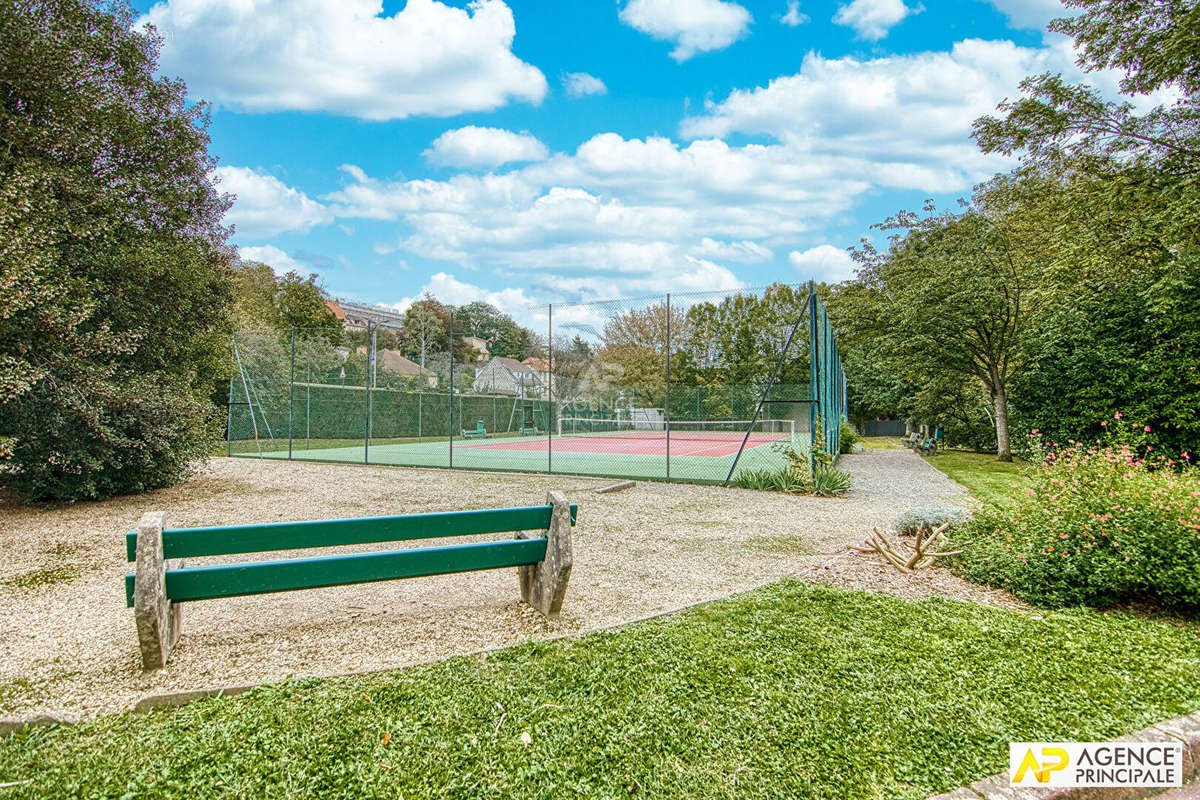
512, 364
393, 361
537, 364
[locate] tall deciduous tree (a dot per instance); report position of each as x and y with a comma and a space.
114, 285
957, 300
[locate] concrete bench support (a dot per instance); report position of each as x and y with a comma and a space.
544, 584
158, 619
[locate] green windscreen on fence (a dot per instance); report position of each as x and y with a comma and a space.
695, 386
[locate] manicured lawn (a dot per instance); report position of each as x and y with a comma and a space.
794, 690
984, 476
881, 443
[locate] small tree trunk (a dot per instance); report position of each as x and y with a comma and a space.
1003, 445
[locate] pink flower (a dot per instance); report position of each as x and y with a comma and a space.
1118, 415
1147, 429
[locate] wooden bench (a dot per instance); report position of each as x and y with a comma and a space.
477, 433
161, 581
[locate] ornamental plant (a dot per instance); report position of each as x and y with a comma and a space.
1114, 521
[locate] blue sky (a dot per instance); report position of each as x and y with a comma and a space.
523, 152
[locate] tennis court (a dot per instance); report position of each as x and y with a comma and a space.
698, 452
698, 387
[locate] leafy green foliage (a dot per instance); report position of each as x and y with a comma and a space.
261, 300
847, 437
1098, 525
756, 696
114, 285
830, 481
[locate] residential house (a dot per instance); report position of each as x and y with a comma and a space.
393, 361
508, 376
480, 346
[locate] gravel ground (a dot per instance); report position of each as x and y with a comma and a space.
68, 642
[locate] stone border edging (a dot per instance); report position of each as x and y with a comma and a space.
1184, 729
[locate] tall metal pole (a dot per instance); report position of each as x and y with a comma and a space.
367, 401
667, 405
229, 421
550, 388
291, 394
451, 388
814, 370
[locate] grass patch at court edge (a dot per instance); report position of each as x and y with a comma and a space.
880, 442
984, 476
793, 690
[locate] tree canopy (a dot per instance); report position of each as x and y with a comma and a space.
106, 208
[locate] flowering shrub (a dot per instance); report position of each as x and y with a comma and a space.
1099, 524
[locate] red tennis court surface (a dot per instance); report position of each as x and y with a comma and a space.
653, 443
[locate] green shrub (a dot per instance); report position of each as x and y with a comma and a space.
847, 438
909, 522
114, 279
1098, 525
830, 481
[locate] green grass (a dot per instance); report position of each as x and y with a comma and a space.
794, 690
42, 577
880, 442
984, 476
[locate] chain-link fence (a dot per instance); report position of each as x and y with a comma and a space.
692, 387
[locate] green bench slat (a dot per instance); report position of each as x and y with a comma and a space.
260, 577
231, 539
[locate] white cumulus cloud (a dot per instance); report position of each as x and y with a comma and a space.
273, 257
794, 15
823, 263
345, 57
473, 146
872, 19
266, 206
695, 26
580, 84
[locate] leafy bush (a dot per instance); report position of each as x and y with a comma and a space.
1099, 525
830, 481
114, 280
909, 522
797, 477
847, 438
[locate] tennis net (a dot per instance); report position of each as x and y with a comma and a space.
703, 430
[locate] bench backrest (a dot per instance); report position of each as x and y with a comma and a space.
232, 580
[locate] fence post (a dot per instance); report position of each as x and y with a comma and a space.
291, 393
814, 367
367, 401
667, 402
549, 389
451, 463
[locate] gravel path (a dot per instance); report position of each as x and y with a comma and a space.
68, 643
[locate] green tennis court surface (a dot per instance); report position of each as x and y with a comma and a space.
696, 459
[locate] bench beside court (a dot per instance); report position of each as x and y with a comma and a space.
541, 552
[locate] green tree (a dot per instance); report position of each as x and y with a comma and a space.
957, 299
263, 300
114, 280
426, 328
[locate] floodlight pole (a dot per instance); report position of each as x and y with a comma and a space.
451, 389
550, 415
